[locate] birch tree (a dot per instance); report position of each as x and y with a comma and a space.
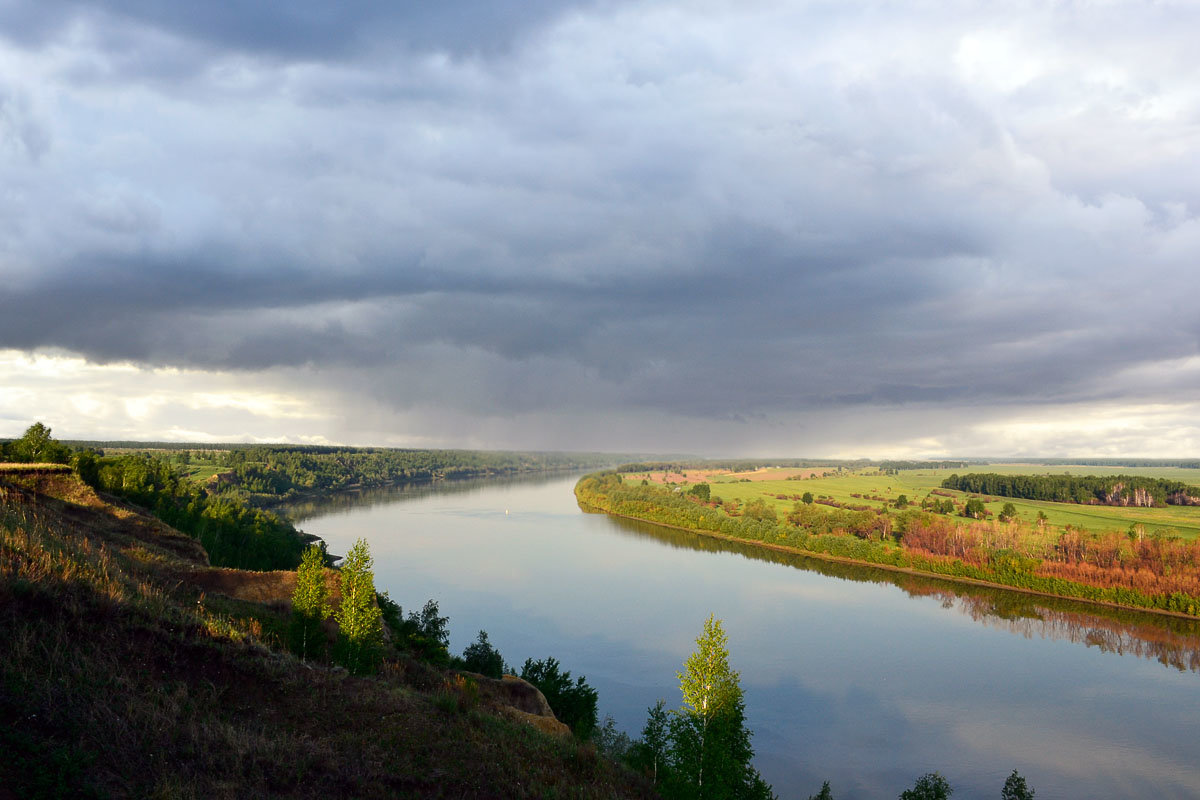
359, 619
310, 602
710, 745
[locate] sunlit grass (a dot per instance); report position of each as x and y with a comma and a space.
1182, 521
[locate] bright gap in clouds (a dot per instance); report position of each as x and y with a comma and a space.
83, 400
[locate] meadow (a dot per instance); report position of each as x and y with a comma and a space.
875, 489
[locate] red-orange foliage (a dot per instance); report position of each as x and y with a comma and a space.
942, 537
1152, 565
1140, 578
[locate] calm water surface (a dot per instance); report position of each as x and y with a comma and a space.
855, 676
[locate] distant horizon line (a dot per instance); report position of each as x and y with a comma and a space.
647, 456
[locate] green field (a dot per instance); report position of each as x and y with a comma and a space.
1183, 521
200, 473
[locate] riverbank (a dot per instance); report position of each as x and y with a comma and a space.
607, 493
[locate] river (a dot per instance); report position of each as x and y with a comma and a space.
860, 677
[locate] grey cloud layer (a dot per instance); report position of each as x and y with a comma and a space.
303, 29
729, 210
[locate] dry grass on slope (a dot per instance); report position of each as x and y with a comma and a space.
116, 682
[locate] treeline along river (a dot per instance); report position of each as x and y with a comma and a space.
857, 676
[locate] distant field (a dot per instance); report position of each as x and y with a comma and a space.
711, 475
201, 473
1183, 521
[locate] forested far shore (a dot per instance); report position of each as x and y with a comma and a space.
268, 473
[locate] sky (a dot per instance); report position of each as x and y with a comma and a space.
873, 229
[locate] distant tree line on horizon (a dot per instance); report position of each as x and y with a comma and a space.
748, 465
1084, 489
281, 472
1178, 463
903, 465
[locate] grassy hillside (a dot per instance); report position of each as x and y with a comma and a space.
131, 668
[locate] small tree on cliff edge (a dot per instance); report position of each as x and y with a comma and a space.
310, 604
38, 445
360, 622
710, 746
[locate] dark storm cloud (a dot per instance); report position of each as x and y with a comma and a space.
736, 214
304, 29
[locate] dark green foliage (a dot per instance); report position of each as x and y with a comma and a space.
389, 609
274, 472
573, 703
432, 625
233, 534
425, 634
975, 509
712, 761
650, 754
1008, 513
701, 490
759, 510
806, 498
481, 657
1015, 788
825, 794
1101, 489
896, 466
87, 465
612, 743
902, 501
37, 446
34, 768
938, 506
930, 786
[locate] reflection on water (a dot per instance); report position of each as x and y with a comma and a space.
354, 499
856, 675
1172, 641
